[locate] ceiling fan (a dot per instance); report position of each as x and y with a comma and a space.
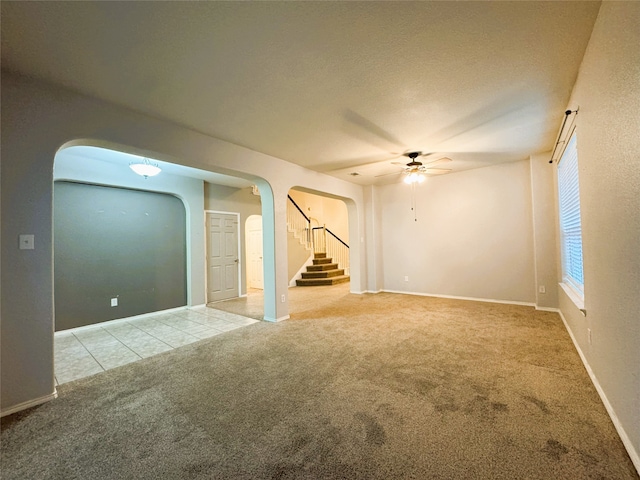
416, 170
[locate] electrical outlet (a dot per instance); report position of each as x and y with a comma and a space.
541, 289
406, 278
114, 302
282, 298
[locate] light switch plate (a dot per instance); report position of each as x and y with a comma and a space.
27, 242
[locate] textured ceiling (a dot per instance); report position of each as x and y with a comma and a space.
336, 87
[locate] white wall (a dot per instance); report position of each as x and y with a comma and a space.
69, 166
607, 92
375, 273
327, 211
545, 226
473, 236
37, 120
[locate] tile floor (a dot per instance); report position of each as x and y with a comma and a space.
84, 351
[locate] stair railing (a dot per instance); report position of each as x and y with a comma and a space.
317, 239
325, 241
299, 224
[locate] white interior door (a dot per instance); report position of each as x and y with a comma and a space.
254, 252
222, 256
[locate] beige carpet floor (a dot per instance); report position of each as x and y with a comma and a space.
353, 386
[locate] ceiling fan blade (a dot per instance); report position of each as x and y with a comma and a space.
436, 171
387, 174
370, 131
399, 163
438, 161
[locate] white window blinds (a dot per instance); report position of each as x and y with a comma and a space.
570, 225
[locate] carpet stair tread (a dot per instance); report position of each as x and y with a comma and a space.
309, 282
324, 266
323, 273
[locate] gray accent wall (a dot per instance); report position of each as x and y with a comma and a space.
116, 243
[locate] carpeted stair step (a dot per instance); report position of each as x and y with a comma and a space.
319, 255
323, 273
311, 282
322, 261
321, 267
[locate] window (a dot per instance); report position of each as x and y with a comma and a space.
570, 225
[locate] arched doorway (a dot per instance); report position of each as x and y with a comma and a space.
130, 317
320, 224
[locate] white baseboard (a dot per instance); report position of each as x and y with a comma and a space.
474, 299
633, 454
548, 309
29, 404
455, 297
275, 320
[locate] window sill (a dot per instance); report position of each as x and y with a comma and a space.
573, 296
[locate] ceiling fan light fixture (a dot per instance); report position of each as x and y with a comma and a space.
145, 168
414, 177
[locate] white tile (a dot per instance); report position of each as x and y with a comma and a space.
149, 348
154, 318
191, 315
230, 317
93, 336
212, 312
215, 322
79, 368
63, 336
132, 334
243, 320
120, 328
113, 356
227, 327
211, 332
68, 358
187, 325
85, 351
158, 329
68, 344
179, 339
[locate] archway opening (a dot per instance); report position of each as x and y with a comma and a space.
318, 241
136, 294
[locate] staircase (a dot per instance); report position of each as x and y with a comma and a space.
322, 272
321, 241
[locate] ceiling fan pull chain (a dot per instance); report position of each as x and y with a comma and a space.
413, 201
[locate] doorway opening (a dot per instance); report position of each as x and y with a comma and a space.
135, 320
318, 241
253, 237
223, 235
